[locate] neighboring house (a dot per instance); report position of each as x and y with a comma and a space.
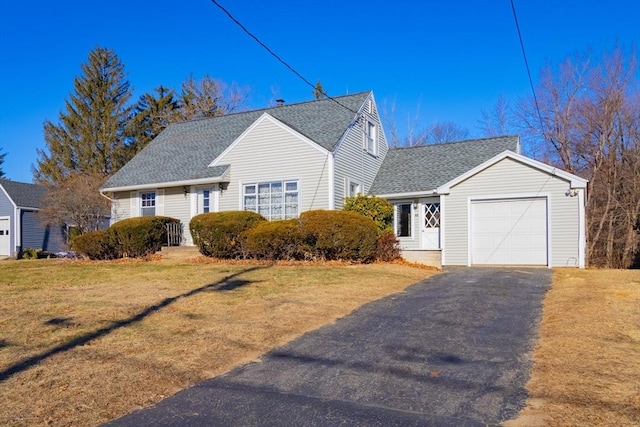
20, 227
465, 203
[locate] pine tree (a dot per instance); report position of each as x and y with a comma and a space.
151, 115
2, 156
318, 91
90, 135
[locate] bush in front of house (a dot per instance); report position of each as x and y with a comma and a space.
275, 240
141, 236
376, 208
388, 247
222, 234
97, 245
338, 235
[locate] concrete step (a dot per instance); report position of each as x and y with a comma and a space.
179, 252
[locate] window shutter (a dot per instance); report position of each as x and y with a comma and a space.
135, 206
160, 202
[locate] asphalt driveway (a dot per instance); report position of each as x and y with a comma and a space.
451, 350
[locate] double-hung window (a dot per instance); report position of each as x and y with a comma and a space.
370, 137
273, 199
148, 204
403, 220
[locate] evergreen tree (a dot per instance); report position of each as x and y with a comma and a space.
318, 91
151, 115
2, 156
90, 135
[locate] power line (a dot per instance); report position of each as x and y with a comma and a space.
526, 64
276, 56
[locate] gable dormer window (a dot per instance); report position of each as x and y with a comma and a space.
371, 137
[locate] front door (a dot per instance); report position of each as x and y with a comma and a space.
5, 238
208, 199
430, 219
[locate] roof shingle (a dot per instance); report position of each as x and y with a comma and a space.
183, 151
424, 168
23, 194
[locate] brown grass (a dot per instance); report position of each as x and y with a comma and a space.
587, 363
99, 339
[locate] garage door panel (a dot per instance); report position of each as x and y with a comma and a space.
509, 231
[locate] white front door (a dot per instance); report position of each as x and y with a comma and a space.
430, 219
5, 238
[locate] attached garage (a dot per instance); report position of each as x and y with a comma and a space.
509, 232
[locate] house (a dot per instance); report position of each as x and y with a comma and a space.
20, 227
466, 203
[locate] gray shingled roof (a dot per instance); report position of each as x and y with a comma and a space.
184, 150
424, 168
23, 194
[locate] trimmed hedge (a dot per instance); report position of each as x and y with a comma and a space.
222, 234
132, 237
335, 235
141, 236
99, 244
275, 240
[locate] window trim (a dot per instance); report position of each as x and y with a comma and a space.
368, 123
283, 183
142, 201
397, 219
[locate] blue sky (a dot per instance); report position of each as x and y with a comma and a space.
452, 58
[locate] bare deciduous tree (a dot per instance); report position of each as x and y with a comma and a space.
589, 124
495, 122
209, 98
76, 201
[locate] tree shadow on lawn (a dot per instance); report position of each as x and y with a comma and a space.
226, 284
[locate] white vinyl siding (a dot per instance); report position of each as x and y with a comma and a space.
177, 205
271, 152
511, 179
353, 162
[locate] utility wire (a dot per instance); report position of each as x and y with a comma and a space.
276, 56
526, 64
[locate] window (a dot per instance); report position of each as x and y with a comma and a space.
354, 189
403, 220
273, 200
371, 137
432, 215
148, 206
206, 201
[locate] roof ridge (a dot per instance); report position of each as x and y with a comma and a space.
456, 142
236, 113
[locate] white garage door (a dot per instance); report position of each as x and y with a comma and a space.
5, 245
509, 231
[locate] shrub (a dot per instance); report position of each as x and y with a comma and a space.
376, 208
275, 240
388, 248
140, 236
99, 244
332, 235
29, 253
222, 234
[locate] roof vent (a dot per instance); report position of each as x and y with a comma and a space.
280, 102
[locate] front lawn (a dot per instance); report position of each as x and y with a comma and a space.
587, 362
85, 342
